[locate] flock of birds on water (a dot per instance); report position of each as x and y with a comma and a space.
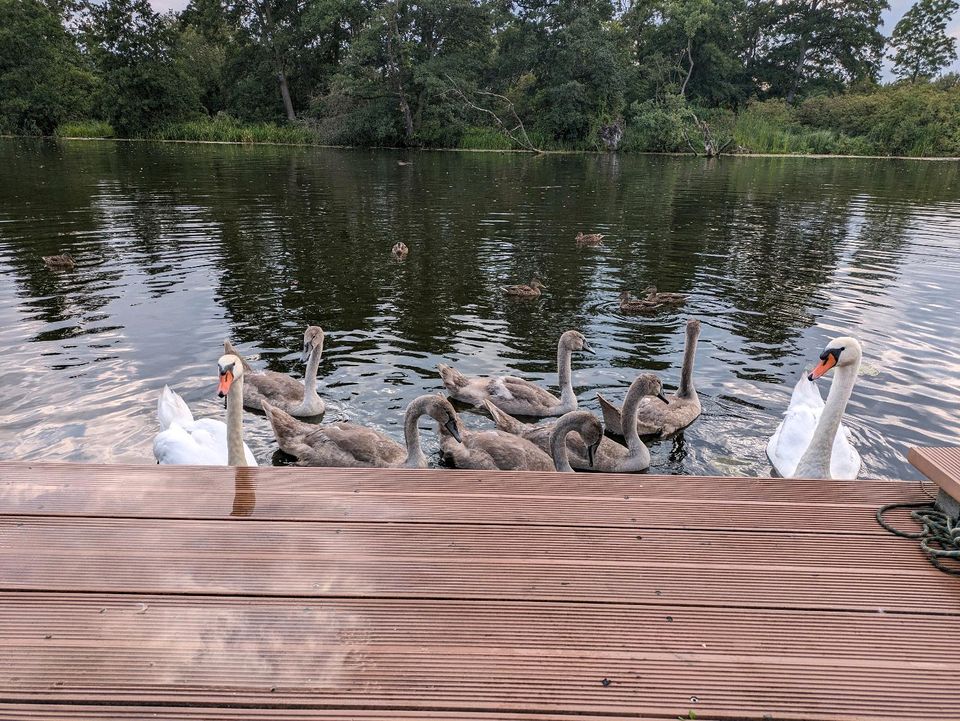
810, 441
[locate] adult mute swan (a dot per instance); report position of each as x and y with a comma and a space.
290, 395
810, 441
207, 442
610, 456
655, 418
515, 395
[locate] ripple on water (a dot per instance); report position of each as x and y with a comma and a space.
179, 247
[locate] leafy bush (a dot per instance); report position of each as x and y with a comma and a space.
657, 127
85, 129
913, 119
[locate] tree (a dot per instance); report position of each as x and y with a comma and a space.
564, 64
920, 39
804, 45
690, 48
132, 47
397, 80
42, 77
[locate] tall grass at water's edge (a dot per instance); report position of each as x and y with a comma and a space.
85, 129
228, 130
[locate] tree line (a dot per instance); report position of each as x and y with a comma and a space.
504, 73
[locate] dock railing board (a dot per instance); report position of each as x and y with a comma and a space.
132, 592
942, 466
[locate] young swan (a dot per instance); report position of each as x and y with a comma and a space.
811, 442
400, 250
515, 395
682, 408
524, 291
280, 390
610, 457
207, 442
353, 446
499, 450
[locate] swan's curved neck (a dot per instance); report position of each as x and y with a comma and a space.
686, 389
235, 453
815, 461
558, 443
564, 376
411, 434
628, 423
310, 379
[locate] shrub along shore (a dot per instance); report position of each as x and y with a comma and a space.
897, 121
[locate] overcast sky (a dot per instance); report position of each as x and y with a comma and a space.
896, 11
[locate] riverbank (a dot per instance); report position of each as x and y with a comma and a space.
519, 151
894, 121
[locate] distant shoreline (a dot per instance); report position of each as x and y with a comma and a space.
813, 156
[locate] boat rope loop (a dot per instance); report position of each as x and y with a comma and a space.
939, 534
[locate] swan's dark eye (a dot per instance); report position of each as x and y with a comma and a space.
835, 352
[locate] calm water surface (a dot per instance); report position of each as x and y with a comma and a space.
179, 246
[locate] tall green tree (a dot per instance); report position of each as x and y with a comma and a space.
807, 45
690, 48
396, 79
922, 46
132, 47
565, 64
43, 80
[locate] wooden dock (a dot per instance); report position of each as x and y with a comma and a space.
134, 592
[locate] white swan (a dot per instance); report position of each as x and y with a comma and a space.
810, 441
207, 442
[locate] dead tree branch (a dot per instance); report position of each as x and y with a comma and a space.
517, 133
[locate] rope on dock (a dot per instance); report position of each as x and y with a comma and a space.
939, 535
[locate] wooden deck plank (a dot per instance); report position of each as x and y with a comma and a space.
103, 623
473, 657
460, 497
471, 562
82, 712
273, 594
940, 465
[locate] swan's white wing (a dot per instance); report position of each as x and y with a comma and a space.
180, 447
795, 431
203, 443
845, 462
171, 408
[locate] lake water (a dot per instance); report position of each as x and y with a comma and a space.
179, 246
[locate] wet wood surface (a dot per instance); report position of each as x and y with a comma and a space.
131, 592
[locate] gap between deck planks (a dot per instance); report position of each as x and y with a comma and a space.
135, 591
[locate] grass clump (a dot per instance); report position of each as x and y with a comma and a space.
225, 129
85, 129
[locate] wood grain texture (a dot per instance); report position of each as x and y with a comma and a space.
940, 465
411, 496
274, 594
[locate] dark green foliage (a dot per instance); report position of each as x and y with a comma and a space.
144, 86
669, 75
920, 40
801, 47
43, 81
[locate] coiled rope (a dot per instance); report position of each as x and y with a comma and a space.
939, 534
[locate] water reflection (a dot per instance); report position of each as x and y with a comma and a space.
179, 246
